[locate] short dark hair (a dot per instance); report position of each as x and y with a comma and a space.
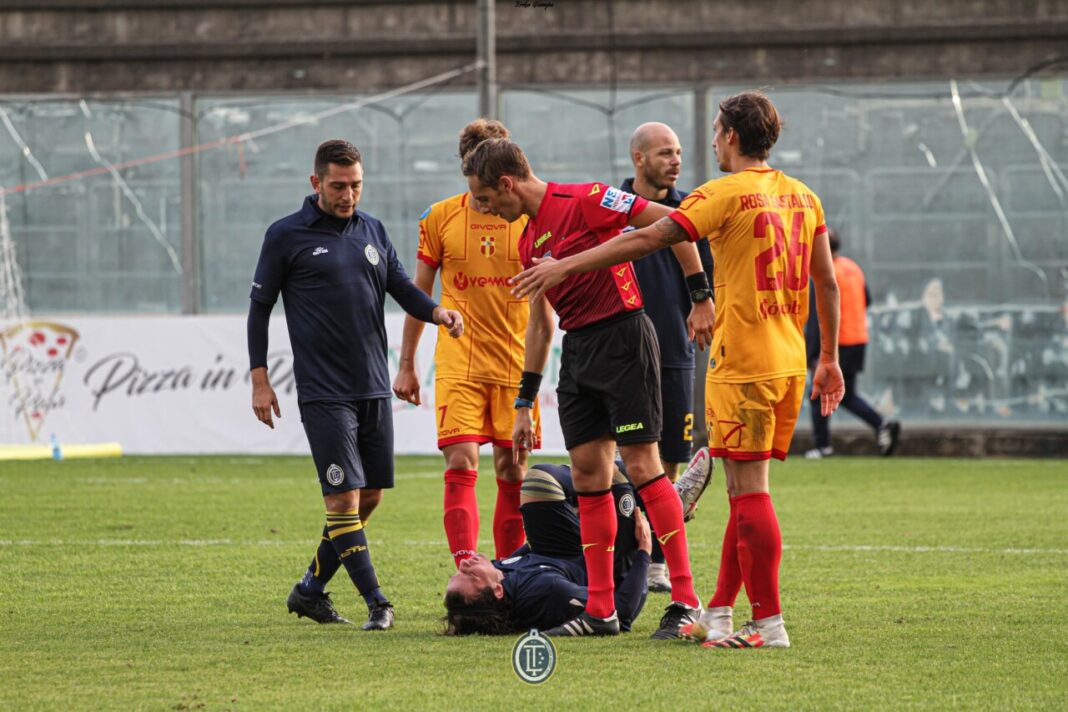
494, 158
756, 121
836, 243
485, 614
478, 131
336, 151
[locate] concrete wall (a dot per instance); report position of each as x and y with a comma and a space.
82, 46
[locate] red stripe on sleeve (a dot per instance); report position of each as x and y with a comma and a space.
685, 224
820, 230
423, 258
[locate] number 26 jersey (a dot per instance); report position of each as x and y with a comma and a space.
760, 225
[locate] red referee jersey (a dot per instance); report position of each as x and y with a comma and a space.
573, 218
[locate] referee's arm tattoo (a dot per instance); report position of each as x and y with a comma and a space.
669, 232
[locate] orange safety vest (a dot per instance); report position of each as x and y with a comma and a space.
853, 324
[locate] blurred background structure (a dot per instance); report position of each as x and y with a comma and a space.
145, 145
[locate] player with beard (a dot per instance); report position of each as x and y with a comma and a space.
657, 157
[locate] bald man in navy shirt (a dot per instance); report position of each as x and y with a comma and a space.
333, 266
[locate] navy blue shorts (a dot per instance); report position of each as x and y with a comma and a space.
351, 443
676, 393
552, 528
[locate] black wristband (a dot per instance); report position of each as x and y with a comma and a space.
697, 280
529, 383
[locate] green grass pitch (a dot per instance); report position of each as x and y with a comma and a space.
160, 583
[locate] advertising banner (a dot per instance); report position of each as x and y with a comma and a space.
179, 385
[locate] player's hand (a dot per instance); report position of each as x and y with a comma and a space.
642, 532
535, 281
522, 433
699, 324
406, 384
263, 402
451, 320
828, 385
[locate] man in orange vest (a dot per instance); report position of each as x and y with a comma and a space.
852, 343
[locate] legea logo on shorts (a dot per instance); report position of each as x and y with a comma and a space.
629, 427
335, 475
534, 658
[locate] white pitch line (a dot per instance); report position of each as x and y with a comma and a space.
486, 543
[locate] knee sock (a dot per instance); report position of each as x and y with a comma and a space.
665, 517
759, 552
508, 532
729, 579
350, 542
461, 513
323, 566
597, 527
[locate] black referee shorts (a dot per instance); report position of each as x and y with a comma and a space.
610, 382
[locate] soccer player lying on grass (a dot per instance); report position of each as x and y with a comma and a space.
544, 584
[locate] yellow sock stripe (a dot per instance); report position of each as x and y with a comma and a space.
335, 533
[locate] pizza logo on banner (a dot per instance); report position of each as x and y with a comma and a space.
615, 199
488, 248
35, 356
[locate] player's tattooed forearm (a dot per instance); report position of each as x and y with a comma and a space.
669, 232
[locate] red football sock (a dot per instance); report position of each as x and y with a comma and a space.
759, 552
597, 527
729, 580
664, 508
461, 513
508, 532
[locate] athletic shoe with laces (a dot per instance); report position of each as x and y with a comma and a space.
887, 436
691, 485
658, 580
585, 624
675, 616
316, 606
713, 624
380, 617
752, 635
818, 453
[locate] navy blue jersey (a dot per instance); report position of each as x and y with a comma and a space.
547, 590
667, 299
333, 276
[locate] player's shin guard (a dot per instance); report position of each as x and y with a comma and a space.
759, 552
597, 527
350, 542
323, 566
461, 513
508, 532
729, 580
664, 508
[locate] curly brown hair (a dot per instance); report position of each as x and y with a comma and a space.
483, 615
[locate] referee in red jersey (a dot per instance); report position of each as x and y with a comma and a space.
609, 390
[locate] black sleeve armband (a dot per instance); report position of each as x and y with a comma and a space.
697, 280
529, 383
